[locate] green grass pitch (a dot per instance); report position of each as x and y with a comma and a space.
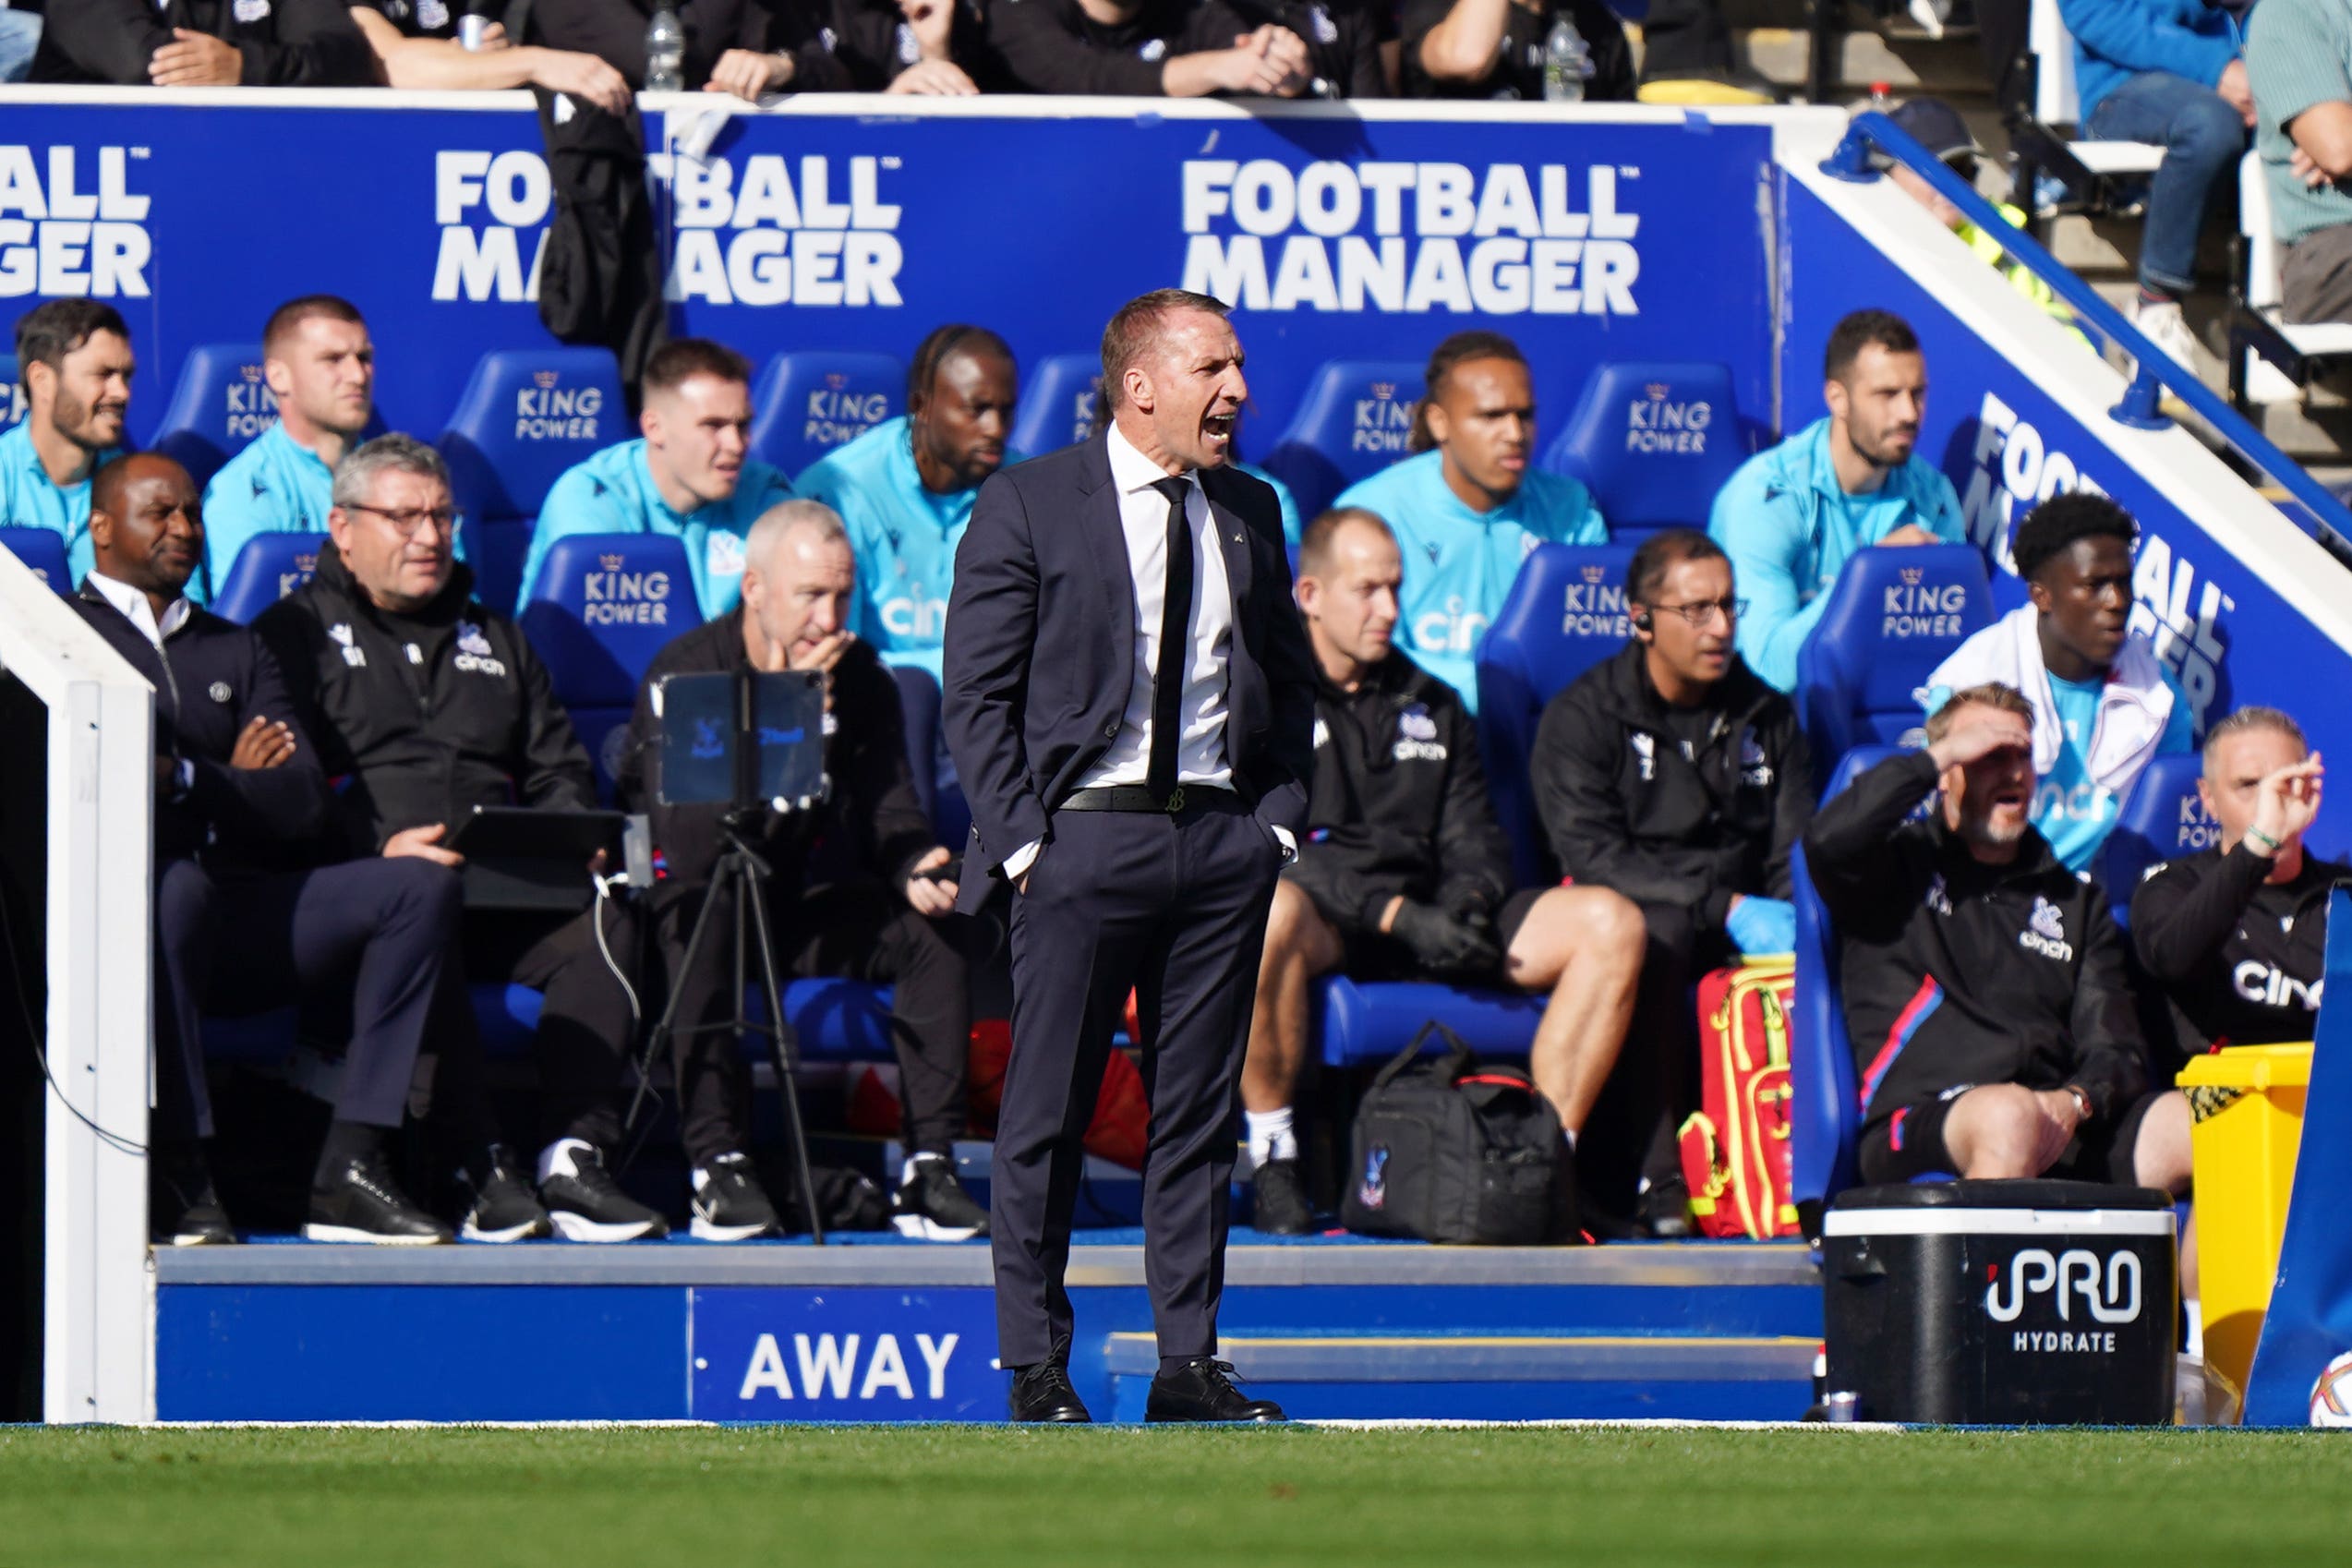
902, 1497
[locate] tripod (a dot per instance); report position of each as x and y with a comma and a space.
740, 873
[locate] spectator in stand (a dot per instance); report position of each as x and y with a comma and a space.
2237, 935
204, 44
1343, 39
2167, 72
2299, 55
1937, 127
1471, 505
905, 489
431, 703
2103, 706
614, 32
1496, 48
19, 39
1144, 49
238, 790
74, 359
1405, 873
319, 362
860, 887
1673, 776
937, 47
1993, 1026
1790, 517
415, 42
691, 476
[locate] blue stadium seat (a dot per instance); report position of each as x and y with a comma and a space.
507, 1016
934, 773
835, 1021
44, 552
2162, 819
1353, 420
1824, 1109
219, 405
1566, 613
12, 395
270, 567
2010, 592
526, 416
1365, 1023
603, 605
1061, 403
1653, 440
1895, 613
806, 403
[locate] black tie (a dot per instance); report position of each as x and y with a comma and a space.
1175, 645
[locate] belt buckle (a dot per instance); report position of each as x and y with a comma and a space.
1176, 801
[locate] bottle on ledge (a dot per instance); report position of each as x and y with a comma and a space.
1567, 63
665, 52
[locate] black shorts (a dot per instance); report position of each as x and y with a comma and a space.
1909, 1144
1376, 957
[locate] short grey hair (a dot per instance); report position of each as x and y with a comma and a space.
2246, 721
787, 515
394, 454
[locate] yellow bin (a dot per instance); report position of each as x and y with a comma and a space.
2245, 1163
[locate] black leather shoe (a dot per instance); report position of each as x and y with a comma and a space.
1202, 1389
1282, 1206
1043, 1392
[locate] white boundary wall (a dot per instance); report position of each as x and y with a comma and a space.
97, 1301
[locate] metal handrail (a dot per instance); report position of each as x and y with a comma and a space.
2155, 371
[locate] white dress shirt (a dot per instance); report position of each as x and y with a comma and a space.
134, 603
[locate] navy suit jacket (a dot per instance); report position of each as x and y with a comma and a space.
1040, 650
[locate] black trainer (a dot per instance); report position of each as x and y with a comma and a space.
1281, 1207
729, 1204
932, 1205
1664, 1210
1202, 1389
182, 1208
361, 1202
585, 1204
503, 1207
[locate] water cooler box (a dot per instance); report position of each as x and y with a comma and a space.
2002, 1302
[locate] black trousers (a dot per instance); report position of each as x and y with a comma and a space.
854, 930
380, 932
586, 1032
1684, 38
1174, 909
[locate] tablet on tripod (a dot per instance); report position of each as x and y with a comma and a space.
742, 740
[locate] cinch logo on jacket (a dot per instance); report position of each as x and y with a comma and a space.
475, 654
1419, 731
2044, 933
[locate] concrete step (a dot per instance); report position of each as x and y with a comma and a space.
1443, 1376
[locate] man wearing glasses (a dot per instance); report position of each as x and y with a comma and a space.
1672, 775
431, 703
1405, 872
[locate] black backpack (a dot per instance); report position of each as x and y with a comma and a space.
1456, 1152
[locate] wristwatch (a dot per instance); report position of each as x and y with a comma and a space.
2081, 1101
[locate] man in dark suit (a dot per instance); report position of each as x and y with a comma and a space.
1131, 703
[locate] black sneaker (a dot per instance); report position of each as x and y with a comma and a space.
1283, 1208
503, 1208
585, 1204
182, 1208
932, 1205
361, 1202
731, 1205
1664, 1210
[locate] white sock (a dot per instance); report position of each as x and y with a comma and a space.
1568, 1133
555, 1159
907, 1170
702, 1174
2194, 1310
1269, 1136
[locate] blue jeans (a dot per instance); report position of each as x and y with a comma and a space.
2203, 138
20, 37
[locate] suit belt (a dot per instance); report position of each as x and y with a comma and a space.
1135, 797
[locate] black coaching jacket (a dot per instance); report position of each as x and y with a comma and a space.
2240, 960
423, 717
1956, 972
1398, 805
1623, 808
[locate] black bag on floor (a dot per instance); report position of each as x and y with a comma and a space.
1454, 1151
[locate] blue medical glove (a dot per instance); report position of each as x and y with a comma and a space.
1762, 926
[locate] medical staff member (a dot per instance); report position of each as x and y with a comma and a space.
1790, 517
905, 489
691, 476
74, 358
1471, 506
